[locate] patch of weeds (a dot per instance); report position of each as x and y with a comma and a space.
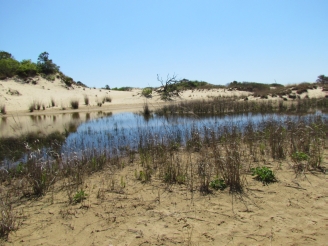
300, 156
264, 174
143, 176
218, 184
181, 179
80, 196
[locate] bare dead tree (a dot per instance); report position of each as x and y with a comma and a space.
169, 87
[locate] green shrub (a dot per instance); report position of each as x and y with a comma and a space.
67, 80
146, 92
218, 184
300, 156
263, 174
122, 88
27, 69
80, 196
8, 68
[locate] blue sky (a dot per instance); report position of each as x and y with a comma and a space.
129, 42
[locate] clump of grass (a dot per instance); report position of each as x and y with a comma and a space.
74, 104
99, 104
8, 220
264, 174
108, 99
32, 106
218, 184
86, 100
146, 92
80, 196
146, 110
38, 105
52, 102
3, 109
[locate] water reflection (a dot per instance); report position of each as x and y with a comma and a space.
115, 133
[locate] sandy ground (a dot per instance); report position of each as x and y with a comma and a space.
120, 210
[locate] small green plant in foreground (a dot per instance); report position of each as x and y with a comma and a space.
80, 196
218, 184
264, 174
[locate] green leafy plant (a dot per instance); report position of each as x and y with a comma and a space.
80, 196
218, 184
300, 156
264, 174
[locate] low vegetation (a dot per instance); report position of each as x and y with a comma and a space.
263, 174
86, 100
3, 109
74, 104
122, 88
147, 92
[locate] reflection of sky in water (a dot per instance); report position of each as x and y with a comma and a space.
128, 129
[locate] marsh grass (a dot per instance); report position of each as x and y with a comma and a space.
222, 106
146, 110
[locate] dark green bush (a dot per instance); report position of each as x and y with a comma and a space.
8, 68
27, 68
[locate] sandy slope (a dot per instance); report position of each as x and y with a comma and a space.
44, 91
17, 96
292, 211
